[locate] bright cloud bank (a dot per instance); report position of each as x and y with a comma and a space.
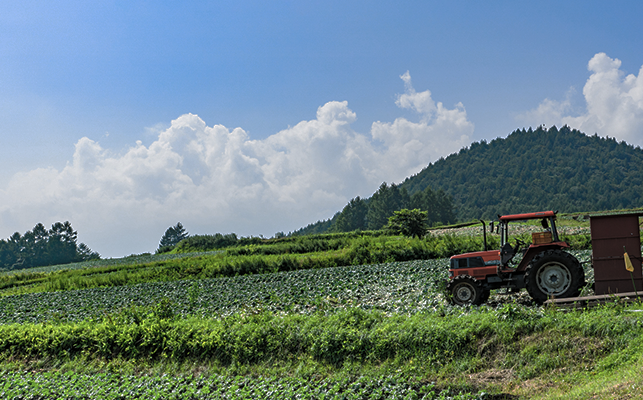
215, 179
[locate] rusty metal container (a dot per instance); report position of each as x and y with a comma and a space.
610, 234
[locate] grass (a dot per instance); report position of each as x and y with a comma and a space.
617, 376
134, 259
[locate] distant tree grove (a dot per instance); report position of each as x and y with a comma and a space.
538, 169
374, 213
40, 247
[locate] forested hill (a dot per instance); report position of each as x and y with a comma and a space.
530, 170
534, 170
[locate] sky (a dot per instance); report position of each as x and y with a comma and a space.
254, 117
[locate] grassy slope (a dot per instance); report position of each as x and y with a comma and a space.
513, 349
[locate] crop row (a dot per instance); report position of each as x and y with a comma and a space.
364, 250
24, 385
400, 286
361, 251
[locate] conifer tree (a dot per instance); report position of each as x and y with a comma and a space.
173, 235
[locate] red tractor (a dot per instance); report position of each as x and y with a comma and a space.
546, 269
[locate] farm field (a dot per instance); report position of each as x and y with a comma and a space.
376, 331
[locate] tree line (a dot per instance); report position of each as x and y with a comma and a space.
41, 247
374, 213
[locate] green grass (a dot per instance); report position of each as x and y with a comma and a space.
623, 382
537, 348
134, 259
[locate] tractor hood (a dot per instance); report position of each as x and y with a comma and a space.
489, 255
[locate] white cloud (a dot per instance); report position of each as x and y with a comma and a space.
614, 104
215, 179
409, 145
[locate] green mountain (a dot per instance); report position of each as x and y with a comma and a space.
531, 170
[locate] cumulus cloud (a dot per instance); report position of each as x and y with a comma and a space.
409, 145
614, 104
216, 179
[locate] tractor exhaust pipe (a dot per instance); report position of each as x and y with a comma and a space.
484, 234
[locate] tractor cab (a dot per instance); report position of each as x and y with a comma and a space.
548, 237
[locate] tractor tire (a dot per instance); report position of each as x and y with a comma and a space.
554, 274
464, 290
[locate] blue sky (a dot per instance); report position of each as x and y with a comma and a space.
89, 92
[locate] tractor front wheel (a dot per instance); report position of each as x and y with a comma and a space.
465, 290
554, 274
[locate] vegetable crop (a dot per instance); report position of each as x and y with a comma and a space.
105, 386
395, 287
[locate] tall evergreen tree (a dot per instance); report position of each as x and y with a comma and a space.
34, 246
437, 204
352, 217
85, 253
61, 246
173, 235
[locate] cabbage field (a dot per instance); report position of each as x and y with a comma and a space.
408, 287
361, 331
109, 386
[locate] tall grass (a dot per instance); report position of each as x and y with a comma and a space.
531, 342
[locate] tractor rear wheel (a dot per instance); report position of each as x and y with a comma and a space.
554, 273
464, 289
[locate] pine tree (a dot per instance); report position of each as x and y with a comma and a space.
84, 253
61, 246
173, 235
352, 217
383, 203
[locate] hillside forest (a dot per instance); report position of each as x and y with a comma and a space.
530, 170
